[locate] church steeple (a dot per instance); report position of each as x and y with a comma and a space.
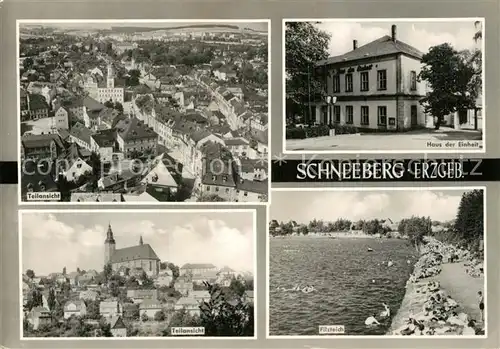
109, 235
140, 241
109, 245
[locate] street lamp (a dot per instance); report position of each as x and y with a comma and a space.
330, 100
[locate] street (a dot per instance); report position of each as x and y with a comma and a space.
408, 141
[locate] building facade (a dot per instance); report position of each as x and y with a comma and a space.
374, 86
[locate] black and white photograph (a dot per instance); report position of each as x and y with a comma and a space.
143, 111
392, 85
394, 262
131, 274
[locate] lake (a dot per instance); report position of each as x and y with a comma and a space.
351, 283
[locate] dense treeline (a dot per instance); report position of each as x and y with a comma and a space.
369, 227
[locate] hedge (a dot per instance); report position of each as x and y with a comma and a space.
318, 131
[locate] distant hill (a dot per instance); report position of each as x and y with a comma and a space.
192, 26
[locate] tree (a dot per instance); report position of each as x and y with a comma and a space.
223, 317
64, 271
144, 317
108, 271
118, 106
51, 301
30, 273
105, 328
93, 309
305, 45
449, 76
159, 316
163, 265
415, 228
210, 198
469, 223
237, 287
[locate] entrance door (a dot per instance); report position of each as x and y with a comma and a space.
324, 112
414, 116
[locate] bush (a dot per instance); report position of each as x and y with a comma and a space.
345, 129
295, 133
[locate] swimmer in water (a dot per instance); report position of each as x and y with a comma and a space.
371, 321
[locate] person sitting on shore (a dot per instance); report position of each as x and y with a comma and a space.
470, 329
455, 320
451, 302
371, 321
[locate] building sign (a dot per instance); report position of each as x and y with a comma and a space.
365, 67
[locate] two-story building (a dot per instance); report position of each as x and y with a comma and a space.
374, 86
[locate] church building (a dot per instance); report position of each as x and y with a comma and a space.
140, 256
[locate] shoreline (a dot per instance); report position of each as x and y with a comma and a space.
334, 236
415, 300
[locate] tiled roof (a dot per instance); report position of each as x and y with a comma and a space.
248, 165
134, 253
81, 132
236, 141
380, 47
96, 197
91, 104
198, 266
132, 129
105, 138
38, 141
198, 135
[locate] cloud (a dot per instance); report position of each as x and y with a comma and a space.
305, 206
50, 242
421, 35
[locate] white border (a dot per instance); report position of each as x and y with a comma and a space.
145, 203
382, 151
136, 211
381, 189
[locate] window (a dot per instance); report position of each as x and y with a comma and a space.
413, 80
349, 111
216, 188
382, 116
208, 188
336, 113
382, 79
365, 118
348, 83
227, 190
363, 81
245, 194
336, 83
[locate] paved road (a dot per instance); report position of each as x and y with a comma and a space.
462, 287
413, 141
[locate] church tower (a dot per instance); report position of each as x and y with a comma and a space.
140, 241
110, 77
109, 245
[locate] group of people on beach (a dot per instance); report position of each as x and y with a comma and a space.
439, 313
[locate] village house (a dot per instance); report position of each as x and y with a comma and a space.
183, 285
248, 297
117, 326
61, 118
39, 316
73, 166
375, 85
250, 191
81, 135
44, 146
251, 169
238, 146
188, 303
74, 307
36, 107
163, 280
200, 296
90, 295
103, 143
150, 307
161, 179
134, 136
196, 268
110, 309
138, 296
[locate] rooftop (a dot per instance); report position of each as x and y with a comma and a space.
133, 129
132, 253
381, 47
